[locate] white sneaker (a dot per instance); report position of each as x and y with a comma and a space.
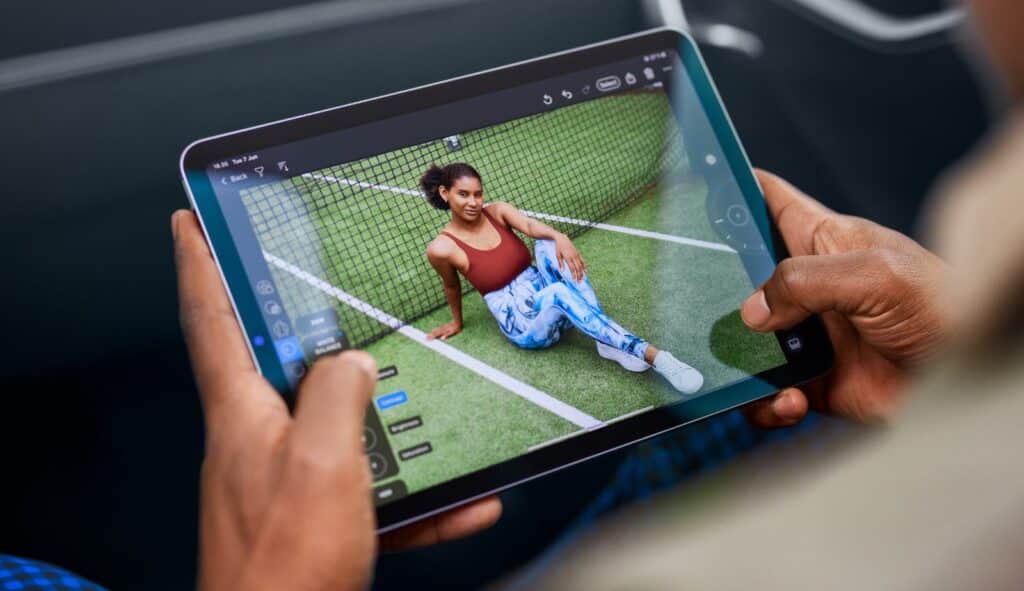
682, 377
627, 361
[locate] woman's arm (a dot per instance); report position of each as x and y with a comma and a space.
514, 218
564, 248
438, 255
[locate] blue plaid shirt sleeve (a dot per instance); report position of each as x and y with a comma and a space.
20, 574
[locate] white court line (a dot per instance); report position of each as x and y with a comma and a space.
353, 183
541, 216
632, 231
541, 399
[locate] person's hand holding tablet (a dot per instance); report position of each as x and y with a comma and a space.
880, 295
285, 500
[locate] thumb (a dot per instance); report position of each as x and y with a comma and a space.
332, 402
806, 285
796, 215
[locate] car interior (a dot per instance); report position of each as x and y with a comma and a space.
861, 103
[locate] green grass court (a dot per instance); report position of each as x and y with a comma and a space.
682, 298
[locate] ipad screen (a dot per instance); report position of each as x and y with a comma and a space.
586, 228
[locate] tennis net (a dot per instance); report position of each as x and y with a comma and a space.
363, 226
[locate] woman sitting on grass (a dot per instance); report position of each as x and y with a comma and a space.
533, 303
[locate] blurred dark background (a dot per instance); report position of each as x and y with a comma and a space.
100, 425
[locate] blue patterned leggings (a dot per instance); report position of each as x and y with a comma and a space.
541, 302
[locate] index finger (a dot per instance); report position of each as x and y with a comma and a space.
785, 408
215, 342
796, 215
451, 525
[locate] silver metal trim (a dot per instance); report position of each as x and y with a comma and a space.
855, 17
724, 36
104, 56
439, 510
665, 13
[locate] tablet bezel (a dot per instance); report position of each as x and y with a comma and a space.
814, 359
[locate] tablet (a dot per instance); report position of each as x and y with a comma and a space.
618, 154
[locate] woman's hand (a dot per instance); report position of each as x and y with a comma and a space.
285, 501
445, 330
879, 293
569, 257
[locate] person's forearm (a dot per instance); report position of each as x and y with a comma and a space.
454, 296
541, 231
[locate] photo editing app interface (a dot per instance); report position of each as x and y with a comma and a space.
587, 230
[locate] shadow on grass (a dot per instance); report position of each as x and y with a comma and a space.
737, 346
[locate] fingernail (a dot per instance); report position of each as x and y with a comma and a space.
363, 360
174, 223
784, 407
755, 310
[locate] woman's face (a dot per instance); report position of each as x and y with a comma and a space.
465, 197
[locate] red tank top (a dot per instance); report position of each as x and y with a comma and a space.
491, 270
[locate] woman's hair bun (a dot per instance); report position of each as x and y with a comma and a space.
431, 182
436, 177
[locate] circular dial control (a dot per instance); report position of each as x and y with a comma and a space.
733, 222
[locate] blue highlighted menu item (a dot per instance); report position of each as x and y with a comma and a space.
394, 399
